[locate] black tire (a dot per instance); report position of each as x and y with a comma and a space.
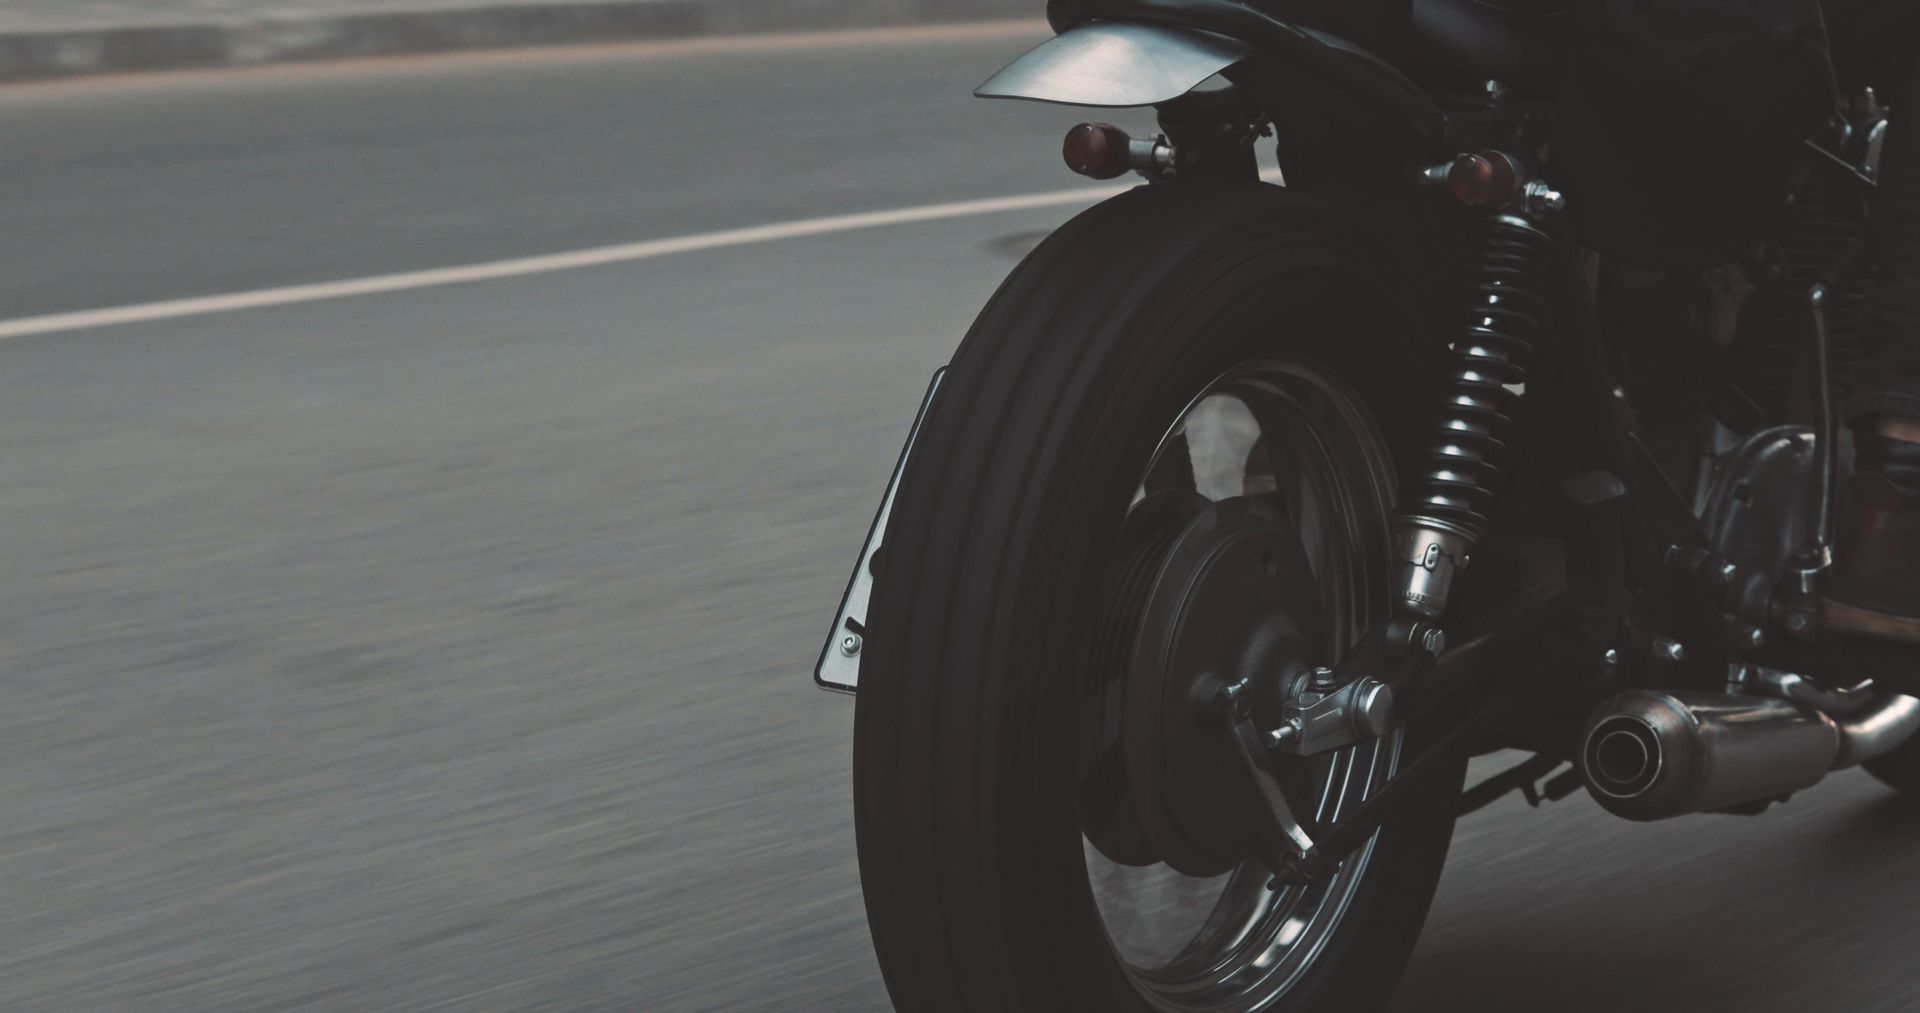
975, 879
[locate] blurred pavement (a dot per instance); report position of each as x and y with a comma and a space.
58, 38
451, 648
50, 14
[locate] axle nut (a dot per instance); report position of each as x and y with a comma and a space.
1373, 709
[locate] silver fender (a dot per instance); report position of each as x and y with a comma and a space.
1116, 63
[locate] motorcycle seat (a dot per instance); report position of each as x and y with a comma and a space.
1522, 43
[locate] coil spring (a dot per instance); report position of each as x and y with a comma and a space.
1492, 332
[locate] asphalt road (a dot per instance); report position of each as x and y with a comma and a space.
451, 648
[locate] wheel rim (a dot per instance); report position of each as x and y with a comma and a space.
1290, 433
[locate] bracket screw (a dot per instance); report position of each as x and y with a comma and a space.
1232, 699
1668, 650
1542, 200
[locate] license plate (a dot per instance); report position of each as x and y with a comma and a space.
839, 667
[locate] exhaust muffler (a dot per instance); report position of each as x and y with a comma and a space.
1648, 755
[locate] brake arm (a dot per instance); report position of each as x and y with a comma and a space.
1285, 847
1280, 841
1353, 830
1463, 671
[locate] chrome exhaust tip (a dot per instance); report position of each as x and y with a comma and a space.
1622, 756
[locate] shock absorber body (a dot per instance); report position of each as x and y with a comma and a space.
1491, 330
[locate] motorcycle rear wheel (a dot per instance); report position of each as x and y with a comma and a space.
971, 722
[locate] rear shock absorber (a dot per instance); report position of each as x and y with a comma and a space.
1491, 330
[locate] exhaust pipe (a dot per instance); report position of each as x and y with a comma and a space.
1647, 755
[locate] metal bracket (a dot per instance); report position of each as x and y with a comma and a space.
1522, 778
1320, 721
839, 665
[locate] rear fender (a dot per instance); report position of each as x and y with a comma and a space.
1146, 52
1116, 63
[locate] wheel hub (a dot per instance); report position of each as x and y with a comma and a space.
1233, 599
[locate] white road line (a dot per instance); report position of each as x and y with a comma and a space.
621, 253
171, 309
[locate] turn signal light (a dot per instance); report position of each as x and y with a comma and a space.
1482, 181
1098, 150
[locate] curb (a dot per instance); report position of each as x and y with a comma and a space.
33, 55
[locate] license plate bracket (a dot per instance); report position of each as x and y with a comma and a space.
839, 665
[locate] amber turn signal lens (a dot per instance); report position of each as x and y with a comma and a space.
1098, 150
1480, 181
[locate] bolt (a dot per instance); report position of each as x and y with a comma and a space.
1233, 698
1751, 637
1321, 678
1797, 622
1496, 90
1541, 199
1611, 657
1284, 734
850, 644
1728, 571
1668, 650
1434, 641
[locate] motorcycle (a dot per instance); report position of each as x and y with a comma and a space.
1250, 509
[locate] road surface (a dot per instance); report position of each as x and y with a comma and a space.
449, 647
